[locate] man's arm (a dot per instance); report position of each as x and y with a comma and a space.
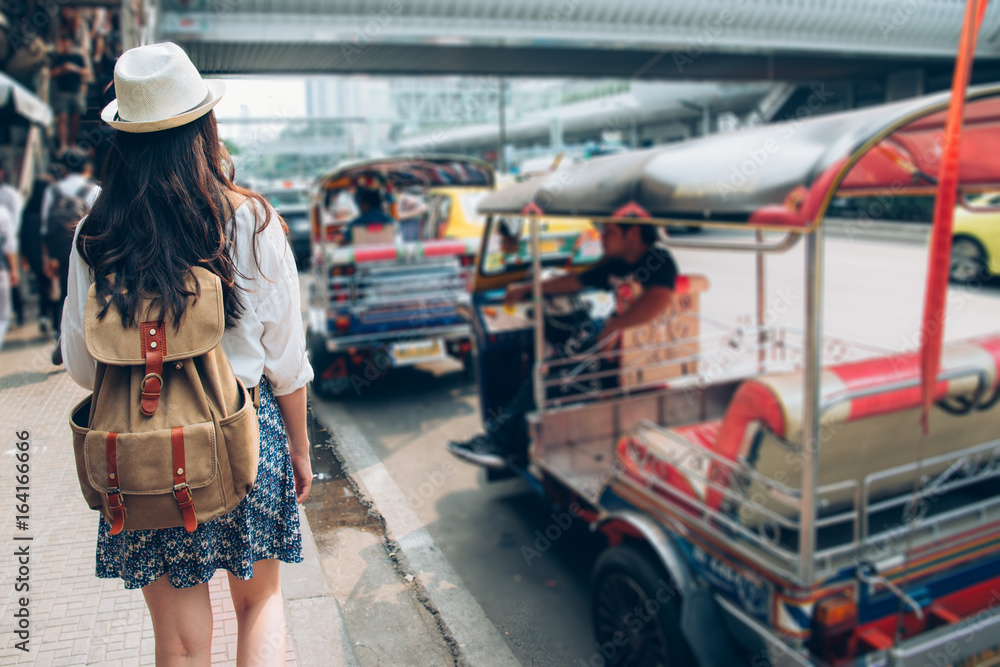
654, 301
567, 284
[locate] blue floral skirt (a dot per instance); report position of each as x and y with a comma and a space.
264, 525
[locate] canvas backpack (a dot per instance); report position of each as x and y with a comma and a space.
170, 436
65, 212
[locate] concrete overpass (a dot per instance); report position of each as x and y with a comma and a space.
799, 41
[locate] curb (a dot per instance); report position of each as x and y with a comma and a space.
460, 616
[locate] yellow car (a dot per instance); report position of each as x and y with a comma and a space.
451, 213
975, 249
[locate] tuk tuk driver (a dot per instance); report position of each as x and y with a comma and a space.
640, 272
369, 202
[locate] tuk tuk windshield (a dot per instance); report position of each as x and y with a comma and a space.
565, 243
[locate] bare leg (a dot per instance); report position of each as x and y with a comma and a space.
182, 623
62, 121
260, 616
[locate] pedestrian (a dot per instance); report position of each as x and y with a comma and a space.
9, 274
30, 249
63, 205
70, 75
168, 204
11, 199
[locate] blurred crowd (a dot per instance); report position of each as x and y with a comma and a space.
65, 55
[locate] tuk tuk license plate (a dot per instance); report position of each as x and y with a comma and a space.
413, 353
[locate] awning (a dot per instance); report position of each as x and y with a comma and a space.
16, 100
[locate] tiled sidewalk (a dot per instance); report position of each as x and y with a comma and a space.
74, 617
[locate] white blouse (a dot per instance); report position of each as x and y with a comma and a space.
268, 340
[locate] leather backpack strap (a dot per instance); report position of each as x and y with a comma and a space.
154, 347
182, 494
115, 502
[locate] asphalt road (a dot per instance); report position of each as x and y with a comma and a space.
535, 592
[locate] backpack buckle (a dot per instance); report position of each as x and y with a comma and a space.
151, 376
186, 504
118, 510
149, 399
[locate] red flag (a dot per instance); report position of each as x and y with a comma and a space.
932, 327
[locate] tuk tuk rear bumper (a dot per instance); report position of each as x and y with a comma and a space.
340, 343
948, 645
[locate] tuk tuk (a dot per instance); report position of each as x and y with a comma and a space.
377, 300
766, 494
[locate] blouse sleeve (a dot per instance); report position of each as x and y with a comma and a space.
278, 307
79, 364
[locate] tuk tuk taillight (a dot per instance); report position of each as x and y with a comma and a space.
834, 619
466, 260
342, 323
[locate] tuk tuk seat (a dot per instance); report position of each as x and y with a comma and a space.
382, 233
762, 427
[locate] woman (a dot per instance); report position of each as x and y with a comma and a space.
169, 203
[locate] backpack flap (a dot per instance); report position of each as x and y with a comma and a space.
155, 342
204, 322
147, 463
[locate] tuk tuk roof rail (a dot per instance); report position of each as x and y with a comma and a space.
417, 170
779, 176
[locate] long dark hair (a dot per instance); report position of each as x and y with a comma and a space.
163, 209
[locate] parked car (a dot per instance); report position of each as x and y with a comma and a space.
451, 213
292, 203
975, 248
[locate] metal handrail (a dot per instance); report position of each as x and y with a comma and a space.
856, 545
790, 239
849, 395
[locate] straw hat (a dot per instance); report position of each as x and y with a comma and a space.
158, 87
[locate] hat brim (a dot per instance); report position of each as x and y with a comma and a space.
216, 89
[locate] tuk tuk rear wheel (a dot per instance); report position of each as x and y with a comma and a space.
637, 612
